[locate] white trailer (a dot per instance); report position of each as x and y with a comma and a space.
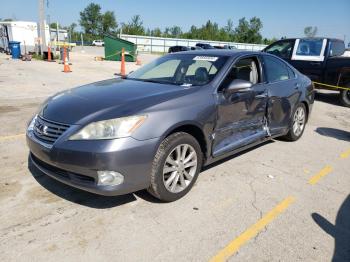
21, 31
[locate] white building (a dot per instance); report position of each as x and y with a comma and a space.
21, 31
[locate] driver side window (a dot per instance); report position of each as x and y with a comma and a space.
244, 69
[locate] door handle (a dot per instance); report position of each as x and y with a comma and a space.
315, 63
296, 86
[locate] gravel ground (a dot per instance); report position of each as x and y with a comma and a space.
43, 220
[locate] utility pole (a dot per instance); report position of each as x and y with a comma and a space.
42, 29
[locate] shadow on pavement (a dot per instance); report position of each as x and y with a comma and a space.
340, 231
76, 195
333, 132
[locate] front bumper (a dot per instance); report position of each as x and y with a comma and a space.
76, 163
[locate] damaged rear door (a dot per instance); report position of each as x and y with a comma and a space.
241, 116
284, 94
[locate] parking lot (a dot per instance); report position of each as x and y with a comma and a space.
280, 201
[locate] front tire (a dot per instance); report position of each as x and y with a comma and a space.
176, 166
298, 123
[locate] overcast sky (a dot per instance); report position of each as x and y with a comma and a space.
279, 17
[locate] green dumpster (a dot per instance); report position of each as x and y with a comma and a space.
113, 48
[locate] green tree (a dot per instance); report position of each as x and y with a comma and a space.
267, 41
175, 31
134, 27
310, 31
156, 32
249, 31
72, 27
54, 26
108, 23
90, 19
167, 32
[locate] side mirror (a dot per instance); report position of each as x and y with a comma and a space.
239, 85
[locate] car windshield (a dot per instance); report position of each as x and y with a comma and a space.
181, 69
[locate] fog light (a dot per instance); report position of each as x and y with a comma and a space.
109, 178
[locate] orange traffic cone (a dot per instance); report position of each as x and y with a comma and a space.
66, 68
122, 66
49, 53
138, 61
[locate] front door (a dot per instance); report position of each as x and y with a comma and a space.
241, 115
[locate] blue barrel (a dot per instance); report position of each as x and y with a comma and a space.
15, 48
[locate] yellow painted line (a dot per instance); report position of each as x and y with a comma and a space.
3, 138
345, 154
251, 232
325, 171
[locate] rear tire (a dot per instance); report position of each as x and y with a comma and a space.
176, 166
345, 97
298, 122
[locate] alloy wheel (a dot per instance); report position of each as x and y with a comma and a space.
299, 121
180, 168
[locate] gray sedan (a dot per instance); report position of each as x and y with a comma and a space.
157, 127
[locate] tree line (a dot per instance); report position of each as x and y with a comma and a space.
96, 24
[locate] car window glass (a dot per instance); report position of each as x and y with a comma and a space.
282, 49
181, 69
244, 69
211, 69
337, 48
309, 47
275, 70
166, 69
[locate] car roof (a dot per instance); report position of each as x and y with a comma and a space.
219, 52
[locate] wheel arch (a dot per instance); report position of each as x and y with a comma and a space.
195, 130
344, 77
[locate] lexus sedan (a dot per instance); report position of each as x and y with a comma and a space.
156, 128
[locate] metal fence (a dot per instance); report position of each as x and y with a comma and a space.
162, 44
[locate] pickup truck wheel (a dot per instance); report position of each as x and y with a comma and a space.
176, 166
298, 123
345, 96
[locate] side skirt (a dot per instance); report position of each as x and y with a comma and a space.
239, 150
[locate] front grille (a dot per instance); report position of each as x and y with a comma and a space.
60, 173
48, 131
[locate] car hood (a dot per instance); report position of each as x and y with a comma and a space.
107, 99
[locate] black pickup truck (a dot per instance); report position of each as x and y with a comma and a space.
320, 59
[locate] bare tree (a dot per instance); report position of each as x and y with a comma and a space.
310, 31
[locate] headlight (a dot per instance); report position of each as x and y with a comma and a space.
109, 129
31, 124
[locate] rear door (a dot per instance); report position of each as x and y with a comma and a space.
309, 57
283, 91
241, 115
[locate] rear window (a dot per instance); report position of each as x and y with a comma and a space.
310, 47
